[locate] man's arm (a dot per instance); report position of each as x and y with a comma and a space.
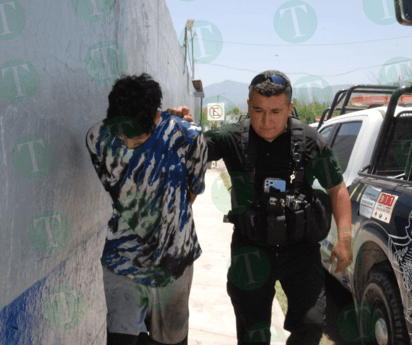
213, 140
341, 206
196, 160
182, 111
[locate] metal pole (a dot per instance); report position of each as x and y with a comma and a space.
201, 112
218, 122
193, 56
184, 63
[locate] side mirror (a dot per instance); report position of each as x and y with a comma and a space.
403, 10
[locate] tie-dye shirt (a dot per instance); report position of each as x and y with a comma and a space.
152, 223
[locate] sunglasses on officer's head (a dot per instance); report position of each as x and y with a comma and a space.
275, 79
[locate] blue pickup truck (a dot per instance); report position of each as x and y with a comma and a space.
374, 147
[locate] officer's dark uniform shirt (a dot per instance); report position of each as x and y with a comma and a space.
273, 158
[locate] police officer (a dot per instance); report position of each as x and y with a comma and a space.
273, 159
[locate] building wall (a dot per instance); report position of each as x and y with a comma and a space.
57, 64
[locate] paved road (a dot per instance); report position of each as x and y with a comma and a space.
212, 320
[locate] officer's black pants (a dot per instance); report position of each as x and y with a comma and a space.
301, 275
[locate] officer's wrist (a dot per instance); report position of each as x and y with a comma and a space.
344, 232
344, 237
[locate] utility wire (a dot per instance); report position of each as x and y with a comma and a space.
308, 45
290, 73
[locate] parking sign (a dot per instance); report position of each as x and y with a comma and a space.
216, 111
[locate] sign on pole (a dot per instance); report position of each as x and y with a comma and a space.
216, 111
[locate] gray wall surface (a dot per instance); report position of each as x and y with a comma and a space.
57, 64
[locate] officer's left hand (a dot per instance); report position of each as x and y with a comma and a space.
342, 250
182, 111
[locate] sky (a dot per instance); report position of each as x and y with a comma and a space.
330, 42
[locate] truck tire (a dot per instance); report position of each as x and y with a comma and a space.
385, 322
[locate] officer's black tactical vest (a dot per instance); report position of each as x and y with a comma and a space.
312, 222
298, 150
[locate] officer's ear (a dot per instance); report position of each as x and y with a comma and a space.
290, 108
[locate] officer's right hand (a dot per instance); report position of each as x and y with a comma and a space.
182, 111
342, 250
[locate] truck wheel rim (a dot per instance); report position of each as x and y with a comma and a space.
381, 332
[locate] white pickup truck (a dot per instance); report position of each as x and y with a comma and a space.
375, 152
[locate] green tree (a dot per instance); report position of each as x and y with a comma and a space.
234, 111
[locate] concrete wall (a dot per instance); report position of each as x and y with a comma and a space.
57, 64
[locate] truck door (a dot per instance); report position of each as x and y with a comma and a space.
342, 140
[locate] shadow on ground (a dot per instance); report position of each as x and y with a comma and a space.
337, 331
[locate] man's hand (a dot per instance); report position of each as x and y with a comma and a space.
342, 250
192, 197
182, 111
342, 212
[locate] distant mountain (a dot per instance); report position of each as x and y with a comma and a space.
235, 94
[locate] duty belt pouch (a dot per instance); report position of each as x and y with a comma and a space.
319, 217
277, 233
296, 223
248, 225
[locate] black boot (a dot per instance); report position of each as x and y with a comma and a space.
310, 336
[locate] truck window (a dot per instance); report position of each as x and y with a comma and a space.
397, 146
345, 141
326, 132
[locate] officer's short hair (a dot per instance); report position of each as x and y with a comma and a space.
271, 83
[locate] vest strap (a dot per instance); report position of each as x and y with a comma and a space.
298, 151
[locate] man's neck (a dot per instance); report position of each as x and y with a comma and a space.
157, 119
132, 146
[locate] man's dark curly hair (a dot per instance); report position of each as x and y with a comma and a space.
138, 97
